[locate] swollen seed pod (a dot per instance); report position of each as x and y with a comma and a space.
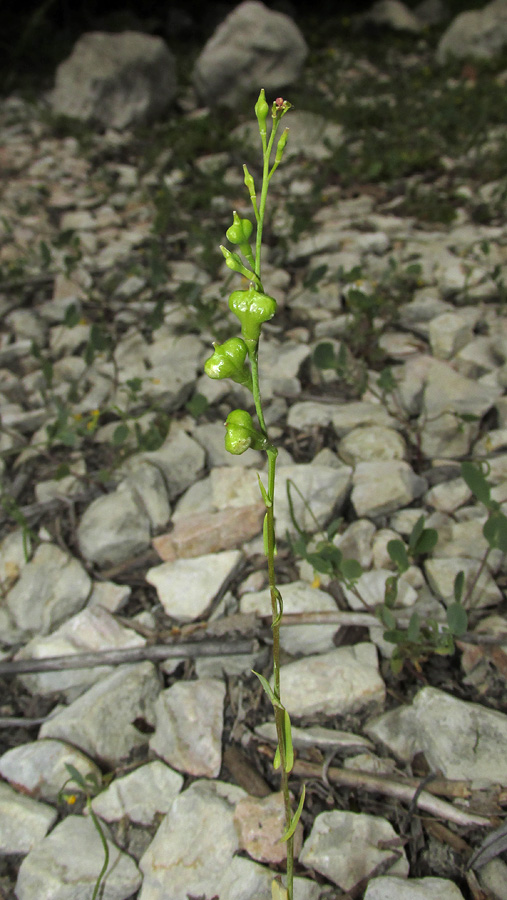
228, 361
262, 111
240, 433
240, 230
252, 309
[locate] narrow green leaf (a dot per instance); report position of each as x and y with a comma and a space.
76, 776
279, 608
394, 636
287, 740
295, 818
426, 542
267, 501
415, 534
277, 760
333, 528
386, 617
391, 591
269, 690
476, 481
495, 531
398, 554
396, 664
120, 434
265, 534
457, 619
323, 356
414, 628
351, 569
459, 586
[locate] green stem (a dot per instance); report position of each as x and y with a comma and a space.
264, 194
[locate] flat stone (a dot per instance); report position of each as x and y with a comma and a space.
180, 459
441, 573
189, 723
101, 721
371, 586
335, 683
114, 528
115, 79
89, 631
261, 823
52, 587
380, 488
23, 821
324, 488
448, 333
253, 45
356, 542
358, 836
205, 533
146, 483
194, 850
448, 496
141, 795
186, 587
389, 888
478, 33
298, 597
369, 444
39, 768
463, 740
65, 865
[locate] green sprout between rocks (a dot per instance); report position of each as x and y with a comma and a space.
237, 359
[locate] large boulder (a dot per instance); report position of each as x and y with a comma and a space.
253, 47
478, 33
115, 80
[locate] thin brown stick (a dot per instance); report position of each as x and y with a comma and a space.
154, 653
382, 784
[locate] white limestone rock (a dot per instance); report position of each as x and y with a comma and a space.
448, 334
298, 597
88, 631
101, 722
388, 887
51, 587
324, 488
441, 573
371, 586
141, 795
146, 483
380, 488
341, 681
186, 587
180, 459
357, 836
65, 865
114, 528
371, 443
23, 821
463, 740
479, 33
189, 723
253, 45
39, 768
116, 80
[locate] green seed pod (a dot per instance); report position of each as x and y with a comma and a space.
228, 361
240, 230
240, 433
262, 112
252, 309
281, 145
233, 261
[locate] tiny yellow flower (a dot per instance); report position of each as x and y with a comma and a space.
316, 581
155, 380
70, 799
77, 417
